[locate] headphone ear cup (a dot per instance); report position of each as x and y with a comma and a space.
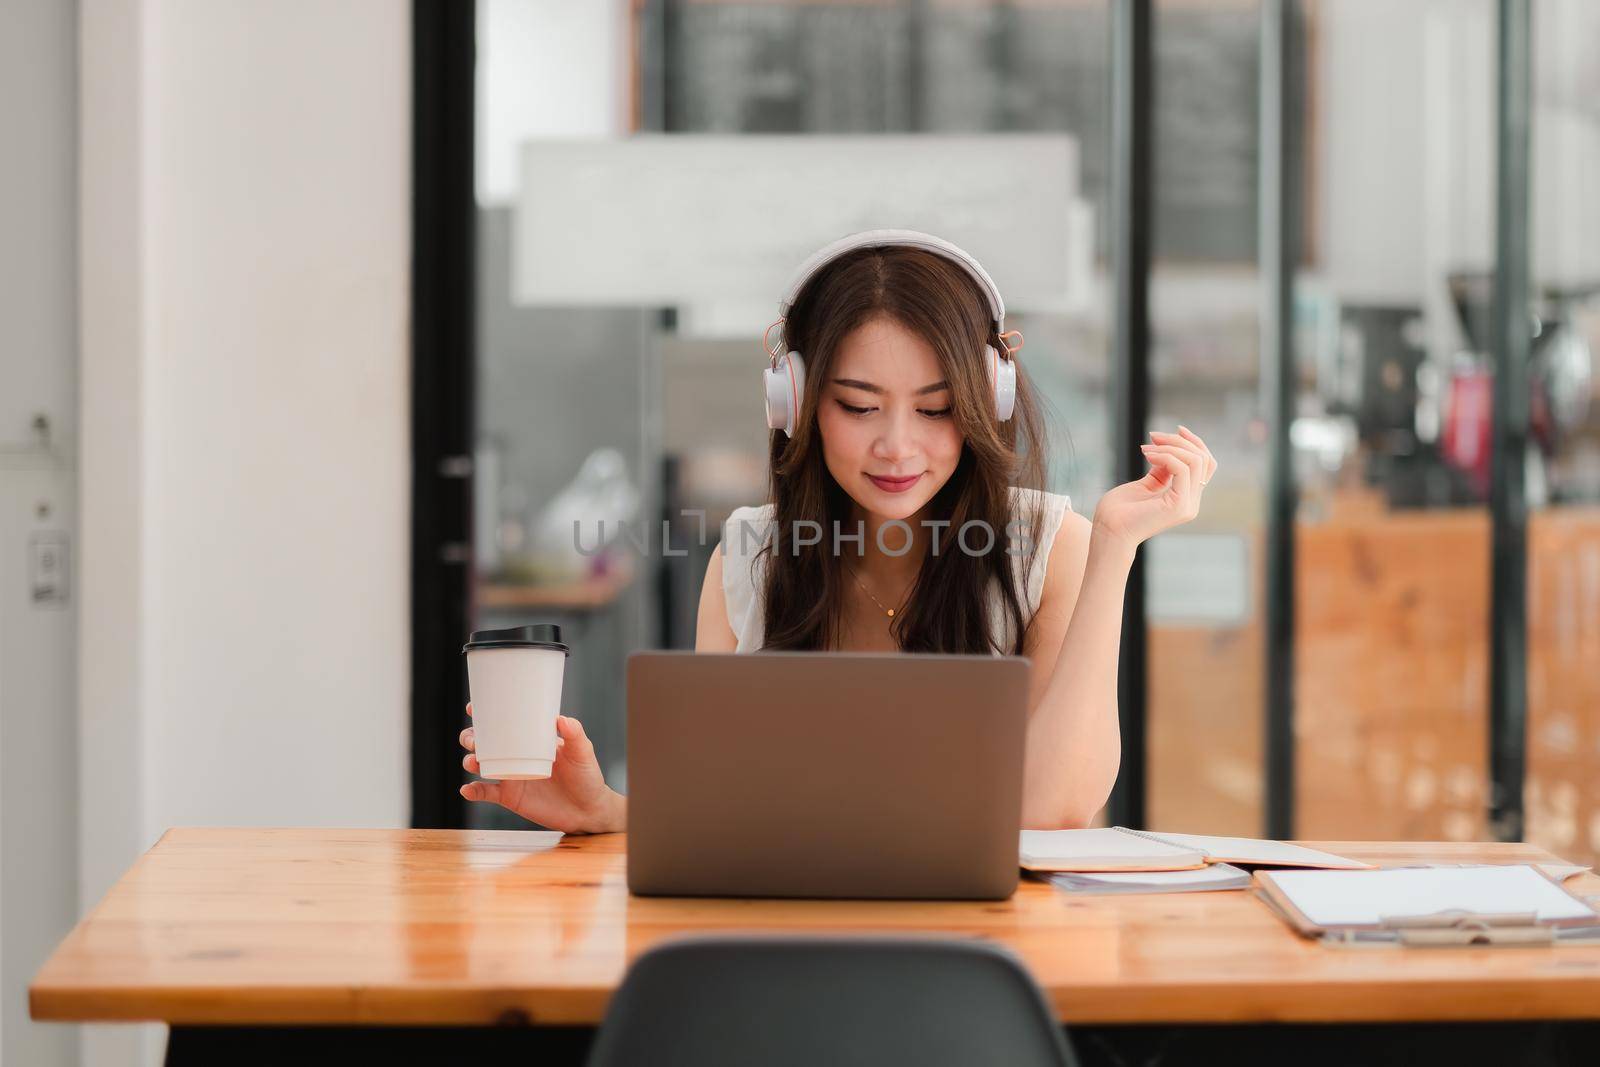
785, 389
1003, 380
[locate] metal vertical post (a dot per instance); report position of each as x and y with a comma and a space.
1132, 209
1278, 237
444, 225
1509, 347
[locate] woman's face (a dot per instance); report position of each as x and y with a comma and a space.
884, 415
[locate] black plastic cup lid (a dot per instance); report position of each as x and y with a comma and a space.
539, 635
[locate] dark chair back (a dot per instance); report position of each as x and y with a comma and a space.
780, 1001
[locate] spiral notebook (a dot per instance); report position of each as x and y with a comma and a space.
1118, 848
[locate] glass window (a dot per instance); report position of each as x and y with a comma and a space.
1391, 433
649, 407
1562, 795
1203, 591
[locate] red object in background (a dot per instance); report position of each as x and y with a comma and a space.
1464, 440
1541, 420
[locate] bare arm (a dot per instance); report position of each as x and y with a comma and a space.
1074, 745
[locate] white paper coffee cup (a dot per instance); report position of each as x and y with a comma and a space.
514, 677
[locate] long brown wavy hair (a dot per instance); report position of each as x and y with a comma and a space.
948, 608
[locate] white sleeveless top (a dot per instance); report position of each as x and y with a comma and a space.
748, 529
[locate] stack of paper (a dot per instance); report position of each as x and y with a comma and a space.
1212, 876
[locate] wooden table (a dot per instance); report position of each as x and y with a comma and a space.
586, 594
440, 927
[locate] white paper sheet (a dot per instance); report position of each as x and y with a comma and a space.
1353, 898
1212, 873
1253, 850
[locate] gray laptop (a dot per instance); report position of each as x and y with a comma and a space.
841, 774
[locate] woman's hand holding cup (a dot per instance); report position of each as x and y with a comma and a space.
574, 799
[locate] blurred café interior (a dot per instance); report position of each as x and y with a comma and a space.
332, 332
335, 331
596, 397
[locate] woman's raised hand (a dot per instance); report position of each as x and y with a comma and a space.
1180, 467
574, 799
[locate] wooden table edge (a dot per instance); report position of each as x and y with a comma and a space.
1569, 996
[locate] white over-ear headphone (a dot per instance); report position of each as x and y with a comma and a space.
785, 379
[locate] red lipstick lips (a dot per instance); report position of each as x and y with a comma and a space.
894, 485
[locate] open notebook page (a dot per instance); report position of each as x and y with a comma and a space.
1254, 851
1102, 849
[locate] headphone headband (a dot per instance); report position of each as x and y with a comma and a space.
784, 381
904, 238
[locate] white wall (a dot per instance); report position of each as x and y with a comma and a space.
1368, 99
1404, 110
245, 211
38, 489
547, 68
1566, 142
1404, 118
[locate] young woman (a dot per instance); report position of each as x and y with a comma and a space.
906, 514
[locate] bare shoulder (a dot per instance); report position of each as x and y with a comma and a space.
712, 631
713, 568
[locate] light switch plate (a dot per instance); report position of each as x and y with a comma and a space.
48, 567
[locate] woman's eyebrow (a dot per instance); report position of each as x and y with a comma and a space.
868, 387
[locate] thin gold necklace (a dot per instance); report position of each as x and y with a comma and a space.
886, 610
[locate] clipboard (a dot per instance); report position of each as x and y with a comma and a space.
1556, 917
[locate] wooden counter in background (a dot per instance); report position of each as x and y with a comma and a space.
1392, 677
379, 927
1391, 684
582, 594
